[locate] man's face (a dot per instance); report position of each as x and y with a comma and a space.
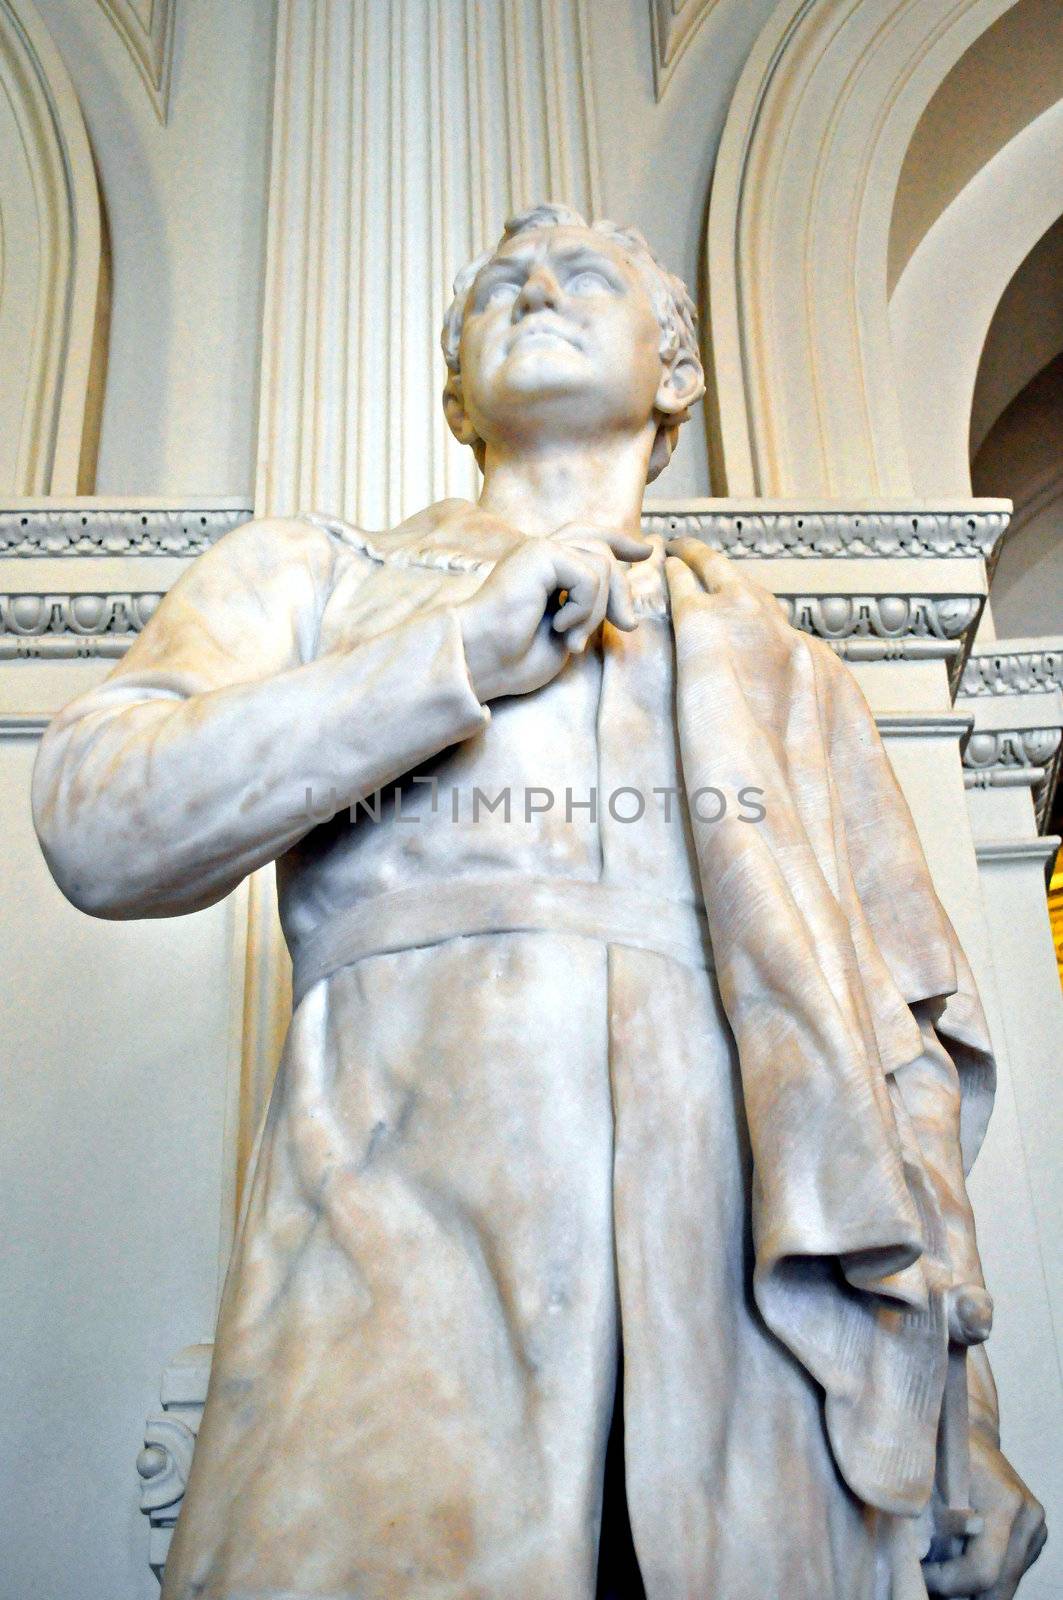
559, 339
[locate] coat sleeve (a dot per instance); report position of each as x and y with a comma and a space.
206, 752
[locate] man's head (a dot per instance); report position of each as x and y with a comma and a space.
569, 329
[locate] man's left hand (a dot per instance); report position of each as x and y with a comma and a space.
1011, 1539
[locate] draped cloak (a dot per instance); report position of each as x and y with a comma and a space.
704, 1083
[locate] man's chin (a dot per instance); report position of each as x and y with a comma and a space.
540, 377
551, 366
563, 402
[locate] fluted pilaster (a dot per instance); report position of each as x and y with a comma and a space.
405, 132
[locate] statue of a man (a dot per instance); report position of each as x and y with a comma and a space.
622, 1001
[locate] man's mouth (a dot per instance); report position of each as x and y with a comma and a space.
546, 330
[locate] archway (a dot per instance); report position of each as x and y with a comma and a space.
51, 280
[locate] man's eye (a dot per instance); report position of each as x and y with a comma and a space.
504, 292
588, 282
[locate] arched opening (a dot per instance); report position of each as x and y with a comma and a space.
1016, 440
52, 286
981, 183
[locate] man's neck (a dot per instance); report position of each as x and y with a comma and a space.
539, 491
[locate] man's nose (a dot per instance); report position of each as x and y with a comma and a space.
540, 289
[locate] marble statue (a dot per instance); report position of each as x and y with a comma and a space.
626, 1024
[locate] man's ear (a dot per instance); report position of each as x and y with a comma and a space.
454, 411
682, 383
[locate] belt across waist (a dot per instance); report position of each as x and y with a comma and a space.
428, 913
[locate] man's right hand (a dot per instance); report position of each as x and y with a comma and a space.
512, 643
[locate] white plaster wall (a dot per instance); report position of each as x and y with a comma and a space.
185, 208
113, 1079
1028, 591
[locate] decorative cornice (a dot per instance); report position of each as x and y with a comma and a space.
886, 627
857, 627
1015, 758
115, 531
743, 533
63, 626
1013, 670
861, 627
894, 534
1010, 749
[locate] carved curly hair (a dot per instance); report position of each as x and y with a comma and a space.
671, 302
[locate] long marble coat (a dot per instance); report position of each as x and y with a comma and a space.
510, 1133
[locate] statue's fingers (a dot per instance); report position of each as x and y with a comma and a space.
581, 634
1038, 1540
711, 567
580, 579
621, 610
968, 1574
682, 583
586, 578
629, 546
625, 546
1028, 1536
1007, 1587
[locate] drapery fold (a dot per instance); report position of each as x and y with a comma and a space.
838, 971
